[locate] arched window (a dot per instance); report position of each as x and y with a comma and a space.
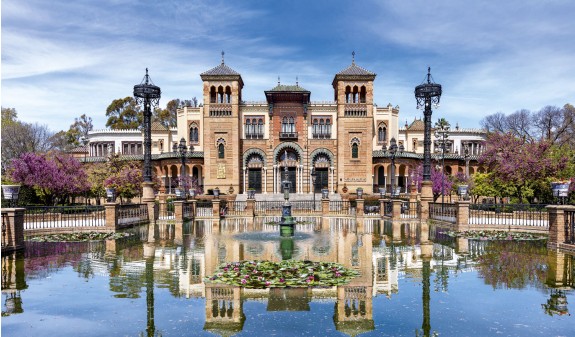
247, 128
221, 151
355, 147
228, 95
355, 94
348, 94
261, 128
213, 94
194, 133
284, 124
362, 95
381, 133
291, 127
220, 94
221, 148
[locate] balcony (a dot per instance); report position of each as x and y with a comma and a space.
288, 135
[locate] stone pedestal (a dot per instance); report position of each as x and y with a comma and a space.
359, 209
179, 211
216, 208
111, 216
12, 229
462, 221
396, 212
324, 207
426, 198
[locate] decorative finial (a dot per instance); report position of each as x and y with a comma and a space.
278, 80
223, 57
428, 74
147, 77
353, 57
296, 82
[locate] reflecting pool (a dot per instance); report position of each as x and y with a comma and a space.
152, 283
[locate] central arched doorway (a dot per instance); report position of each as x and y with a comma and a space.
321, 165
288, 163
255, 164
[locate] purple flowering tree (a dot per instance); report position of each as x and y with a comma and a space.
54, 176
127, 180
521, 163
438, 179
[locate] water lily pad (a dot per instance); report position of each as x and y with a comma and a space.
292, 273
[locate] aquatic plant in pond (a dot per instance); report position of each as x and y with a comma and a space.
80, 236
288, 273
496, 235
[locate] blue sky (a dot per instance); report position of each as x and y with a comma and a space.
61, 59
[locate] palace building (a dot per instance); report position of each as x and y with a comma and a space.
239, 145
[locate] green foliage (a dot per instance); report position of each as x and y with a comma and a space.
124, 113
79, 237
288, 273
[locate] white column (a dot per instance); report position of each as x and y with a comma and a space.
275, 179
265, 174
310, 183
244, 175
331, 170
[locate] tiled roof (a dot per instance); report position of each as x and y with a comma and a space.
355, 70
416, 125
288, 88
79, 149
221, 70
157, 126
412, 155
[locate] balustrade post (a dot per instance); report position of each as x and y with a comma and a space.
111, 216
382, 207
12, 229
216, 208
426, 198
250, 207
324, 207
153, 211
557, 224
360, 205
194, 209
179, 211
462, 216
396, 210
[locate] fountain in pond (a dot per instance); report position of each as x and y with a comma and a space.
287, 222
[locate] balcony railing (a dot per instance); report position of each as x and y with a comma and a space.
288, 135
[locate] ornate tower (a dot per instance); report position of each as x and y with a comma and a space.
222, 157
353, 88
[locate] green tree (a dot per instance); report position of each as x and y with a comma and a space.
124, 113
79, 129
168, 117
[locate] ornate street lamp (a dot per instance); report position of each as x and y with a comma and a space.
427, 94
313, 175
442, 133
148, 94
181, 150
466, 157
393, 151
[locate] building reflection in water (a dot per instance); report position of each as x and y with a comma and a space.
179, 256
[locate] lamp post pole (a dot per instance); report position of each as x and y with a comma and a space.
466, 157
313, 175
85, 141
427, 94
393, 151
181, 150
442, 133
148, 94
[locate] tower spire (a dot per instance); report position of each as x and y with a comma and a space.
223, 57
